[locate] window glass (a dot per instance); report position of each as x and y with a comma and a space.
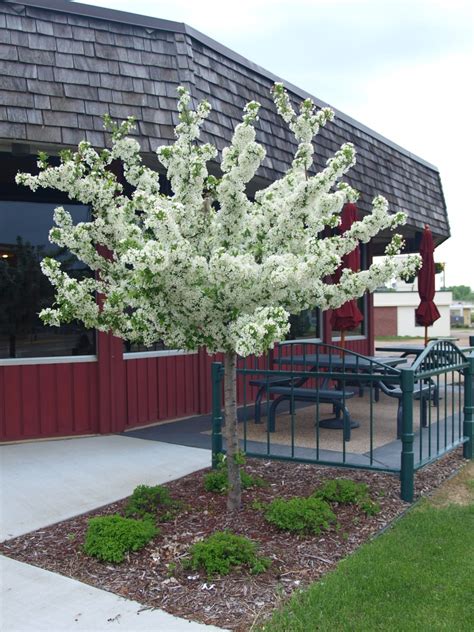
25, 291
129, 347
307, 324
361, 329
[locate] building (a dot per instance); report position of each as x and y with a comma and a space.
394, 314
63, 65
462, 314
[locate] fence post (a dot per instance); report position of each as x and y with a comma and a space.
217, 373
468, 426
407, 470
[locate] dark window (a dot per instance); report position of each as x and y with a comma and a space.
129, 347
307, 324
25, 291
361, 329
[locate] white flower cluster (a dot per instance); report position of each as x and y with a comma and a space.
207, 266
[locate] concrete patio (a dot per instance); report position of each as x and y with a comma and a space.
48, 481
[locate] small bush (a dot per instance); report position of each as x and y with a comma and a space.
222, 551
217, 481
302, 515
342, 490
258, 505
369, 506
345, 490
148, 501
109, 537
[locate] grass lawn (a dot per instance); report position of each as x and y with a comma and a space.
419, 576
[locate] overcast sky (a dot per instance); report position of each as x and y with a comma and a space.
404, 68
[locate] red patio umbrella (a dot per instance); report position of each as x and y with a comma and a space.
426, 313
348, 316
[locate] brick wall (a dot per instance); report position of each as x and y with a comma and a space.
385, 321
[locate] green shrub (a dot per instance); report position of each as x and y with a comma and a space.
217, 481
345, 490
109, 537
222, 551
342, 490
302, 515
148, 501
258, 505
369, 507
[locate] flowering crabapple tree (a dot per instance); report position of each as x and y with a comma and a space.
207, 266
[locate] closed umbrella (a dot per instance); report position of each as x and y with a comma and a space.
426, 313
348, 316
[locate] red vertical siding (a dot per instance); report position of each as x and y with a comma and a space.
183, 393
111, 384
162, 380
93, 401
132, 392
118, 381
167, 365
48, 408
64, 397
163, 387
48, 400
112, 394
152, 386
29, 394
81, 395
143, 389
359, 346
13, 402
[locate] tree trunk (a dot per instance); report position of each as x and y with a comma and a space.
231, 431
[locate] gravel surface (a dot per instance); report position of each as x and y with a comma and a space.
154, 577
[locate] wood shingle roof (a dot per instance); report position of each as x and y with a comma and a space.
63, 65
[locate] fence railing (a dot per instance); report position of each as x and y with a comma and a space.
318, 403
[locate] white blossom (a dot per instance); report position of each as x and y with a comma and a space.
208, 266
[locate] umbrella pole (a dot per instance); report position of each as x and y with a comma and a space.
343, 338
426, 335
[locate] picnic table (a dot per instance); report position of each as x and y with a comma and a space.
290, 388
332, 360
411, 349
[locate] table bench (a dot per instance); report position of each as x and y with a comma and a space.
263, 387
293, 393
422, 391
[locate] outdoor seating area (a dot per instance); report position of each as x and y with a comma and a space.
309, 426
304, 407
337, 398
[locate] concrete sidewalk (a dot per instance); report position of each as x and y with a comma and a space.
45, 482
35, 599
48, 481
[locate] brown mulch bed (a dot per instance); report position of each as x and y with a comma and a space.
236, 601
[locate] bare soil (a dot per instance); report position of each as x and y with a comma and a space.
459, 490
154, 576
